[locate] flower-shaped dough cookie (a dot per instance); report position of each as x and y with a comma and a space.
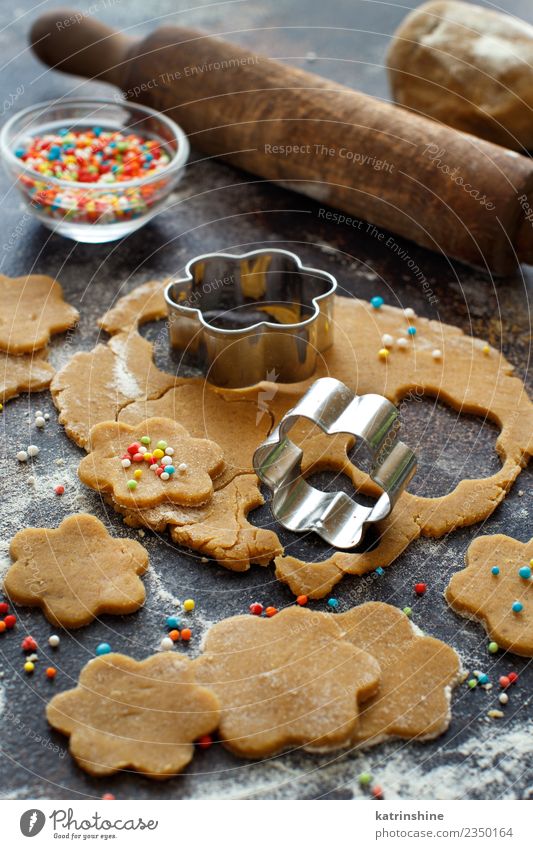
284, 681
128, 462
496, 588
76, 571
127, 714
417, 674
32, 310
30, 373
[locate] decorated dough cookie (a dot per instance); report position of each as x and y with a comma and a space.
126, 714
236, 425
32, 310
150, 464
496, 588
94, 386
76, 572
144, 303
29, 373
285, 681
417, 675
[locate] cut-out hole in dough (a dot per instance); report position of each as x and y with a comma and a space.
450, 446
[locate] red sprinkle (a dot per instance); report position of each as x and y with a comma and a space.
108, 797
256, 609
420, 588
204, 742
504, 681
301, 600
59, 489
3, 608
513, 677
138, 458
29, 644
134, 448
10, 621
377, 792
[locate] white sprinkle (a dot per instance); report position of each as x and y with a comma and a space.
182, 467
503, 698
166, 644
31, 480
46, 417
166, 461
33, 450
53, 641
125, 463
165, 476
409, 312
401, 343
39, 421
38, 413
436, 354
153, 467
22, 456
387, 340
169, 452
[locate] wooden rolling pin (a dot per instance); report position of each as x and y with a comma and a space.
443, 189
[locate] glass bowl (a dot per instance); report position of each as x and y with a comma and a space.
94, 212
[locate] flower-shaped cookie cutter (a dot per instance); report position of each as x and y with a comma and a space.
334, 516
257, 316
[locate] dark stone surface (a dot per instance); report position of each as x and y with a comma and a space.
218, 208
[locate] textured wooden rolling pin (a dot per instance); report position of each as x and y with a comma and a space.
443, 189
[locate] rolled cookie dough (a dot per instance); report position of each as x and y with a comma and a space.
32, 310
27, 373
76, 572
144, 303
127, 714
477, 593
417, 675
467, 66
286, 681
103, 471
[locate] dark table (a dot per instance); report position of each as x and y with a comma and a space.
221, 209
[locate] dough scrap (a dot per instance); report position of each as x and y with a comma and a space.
144, 303
285, 681
94, 385
417, 674
25, 373
468, 67
468, 377
33, 310
101, 469
76, 572
234, 424
477, 594
142, 715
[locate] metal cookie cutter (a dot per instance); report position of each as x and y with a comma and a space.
335, 516
258, 316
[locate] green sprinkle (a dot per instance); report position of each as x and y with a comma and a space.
408, 611
132, 484
145, 440
472, 683
162, 444
364, 778
493, 647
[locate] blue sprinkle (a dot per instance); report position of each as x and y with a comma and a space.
377, 301
524, 572
97, 131
20, 152
380, 570
63, 132
517, 606
483, 678
495, 570
103, 648
54, 152
170, 469
333, 603
411, 331
173, 622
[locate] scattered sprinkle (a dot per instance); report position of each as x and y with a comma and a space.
517, 606
53, 641
166, 644
271, 611
33, 450
495, 714
503, 698
301, 600
387, 340
103, 648
189, 604
402, 343
186, 634
409, 312
495, 570
377, 302
173, 622
256, 609
383, 353
29, 667
59, 489
420, 588
204, 742
29, 644
493, 647
22, 456
364, 778
472, 682
525, 572
40, 421
411, 331
50, 672
333, 603
408, 611
436, 354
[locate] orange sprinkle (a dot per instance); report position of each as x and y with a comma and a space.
186, 634
51, 672
271, 611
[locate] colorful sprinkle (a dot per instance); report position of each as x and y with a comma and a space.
387, 340
132, 484
166, 644
271, 611
495, 570
29, 667
517, 606
10, 621
53, 641
409, 312
22, 456
59, 489
364, 778
483, 678
173, 622
29, 644
145, 440
493, 647
162, 445
420, 588
379, 570
503, 698
402, 343
174, 635
103, 648
4, 607
333, 603
256, 609
513, 677
383, 353
411, 331
50, 672
186, 634
204, 742
164, 476
182, 468
504, 681
472, 683
377, 302
169, 451
301, 600
377, 792
189, 604
436, 354
525, 572
408, 611
125, 463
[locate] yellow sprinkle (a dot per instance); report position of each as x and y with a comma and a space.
29, 667
1, 407
495, 714
147, 456
486, 349
137, 474
158, 454
188, 604
383, 353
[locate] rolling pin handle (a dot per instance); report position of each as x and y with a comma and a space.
69, 41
